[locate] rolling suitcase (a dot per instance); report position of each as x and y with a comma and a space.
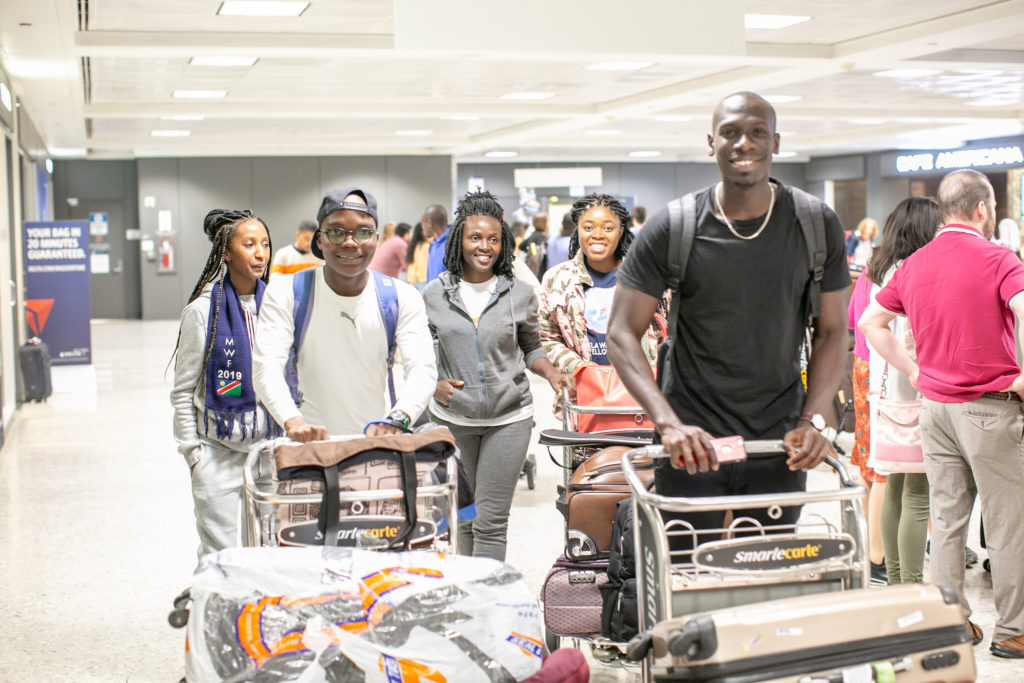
34, 358
911, 633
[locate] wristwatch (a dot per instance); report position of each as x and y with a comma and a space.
399, 418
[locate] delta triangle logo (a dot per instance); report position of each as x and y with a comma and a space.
37, 312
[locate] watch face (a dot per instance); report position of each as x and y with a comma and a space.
818, 422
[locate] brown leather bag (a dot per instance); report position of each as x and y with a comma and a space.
595, 489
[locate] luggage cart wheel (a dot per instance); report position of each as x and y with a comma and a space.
178, 618
530, 470
552, 641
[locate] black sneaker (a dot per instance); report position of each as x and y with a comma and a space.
879, 577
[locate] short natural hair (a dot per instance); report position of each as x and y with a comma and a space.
401, 229
639, 214
307, 226
436, 214
959, 194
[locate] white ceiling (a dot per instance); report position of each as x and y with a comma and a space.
340, 80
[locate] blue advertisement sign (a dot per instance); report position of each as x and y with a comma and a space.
57, 283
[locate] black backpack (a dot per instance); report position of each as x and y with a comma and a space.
618, 595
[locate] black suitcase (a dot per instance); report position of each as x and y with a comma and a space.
35, 371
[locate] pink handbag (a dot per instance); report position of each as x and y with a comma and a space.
895, 434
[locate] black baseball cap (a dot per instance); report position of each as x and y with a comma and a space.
334, 200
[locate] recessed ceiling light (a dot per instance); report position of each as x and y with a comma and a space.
673, 118
527, 95
68, 151
261, 8
619, 66
782, 99
170, 133
993, 102
500, 154
460, 117
785, 155
413, 133
867, 121
604, 131
645, 153
772, 21
5, 97
223, 61
908, 73
200, 94
181, 117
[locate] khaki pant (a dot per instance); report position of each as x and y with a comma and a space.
977, 449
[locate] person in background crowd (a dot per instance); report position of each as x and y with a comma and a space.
577, 294
904, 523
484, 323
342, 365
217, 416
861, 242
389, 258
639, 218
873, 481
386, 233
972, 423
558, 245
734, 361
534, 245
1008, 234
518, 229
435, 227
416, 255
296, 256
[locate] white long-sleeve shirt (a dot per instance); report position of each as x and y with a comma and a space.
342, 363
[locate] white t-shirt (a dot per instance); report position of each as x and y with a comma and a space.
476, 295
342, 364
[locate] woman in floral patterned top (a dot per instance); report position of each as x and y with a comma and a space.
577, 294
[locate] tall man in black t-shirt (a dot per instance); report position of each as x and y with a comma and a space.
734, 363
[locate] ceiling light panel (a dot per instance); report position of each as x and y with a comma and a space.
261, 8
528, 96
223, 61
772, 22
168, 133
619, 66
200, 94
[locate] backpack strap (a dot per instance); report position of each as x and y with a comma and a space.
302, 288
387, 302
682, 228
810, 212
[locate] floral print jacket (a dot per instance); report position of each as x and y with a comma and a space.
563, 329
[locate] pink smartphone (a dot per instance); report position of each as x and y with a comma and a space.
729, 449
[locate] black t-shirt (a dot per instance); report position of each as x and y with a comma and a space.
735, 365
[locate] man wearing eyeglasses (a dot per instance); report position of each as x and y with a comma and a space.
342, 361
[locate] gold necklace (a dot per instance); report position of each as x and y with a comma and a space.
768, 216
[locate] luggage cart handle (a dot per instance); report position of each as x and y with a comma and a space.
847, 490
597, 410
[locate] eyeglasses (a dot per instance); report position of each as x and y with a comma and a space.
338, 236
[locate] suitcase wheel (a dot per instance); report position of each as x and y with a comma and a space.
178, 618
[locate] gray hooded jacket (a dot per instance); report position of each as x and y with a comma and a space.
491, 357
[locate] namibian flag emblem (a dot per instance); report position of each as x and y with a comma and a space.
229, 388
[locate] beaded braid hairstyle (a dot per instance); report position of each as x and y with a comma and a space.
478, 204
220, 225
583, 204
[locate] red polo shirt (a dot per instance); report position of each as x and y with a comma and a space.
956, 292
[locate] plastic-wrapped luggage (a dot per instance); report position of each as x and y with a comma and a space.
345, 614
911, 633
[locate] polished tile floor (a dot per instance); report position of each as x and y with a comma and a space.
97, 534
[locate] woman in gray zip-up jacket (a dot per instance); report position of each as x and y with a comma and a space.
485, 329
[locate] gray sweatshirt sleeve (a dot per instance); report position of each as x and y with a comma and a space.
529, 333
188, 379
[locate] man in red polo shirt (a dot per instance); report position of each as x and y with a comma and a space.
960, 293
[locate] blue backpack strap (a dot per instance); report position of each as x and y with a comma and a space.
302, 288
387, 302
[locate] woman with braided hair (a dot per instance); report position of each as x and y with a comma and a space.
577, 294
216, 413
484, 323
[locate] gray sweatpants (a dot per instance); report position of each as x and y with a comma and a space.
217, 494
493, 457
977, 448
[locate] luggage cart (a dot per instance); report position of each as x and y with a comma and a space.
744, 562
275, 513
